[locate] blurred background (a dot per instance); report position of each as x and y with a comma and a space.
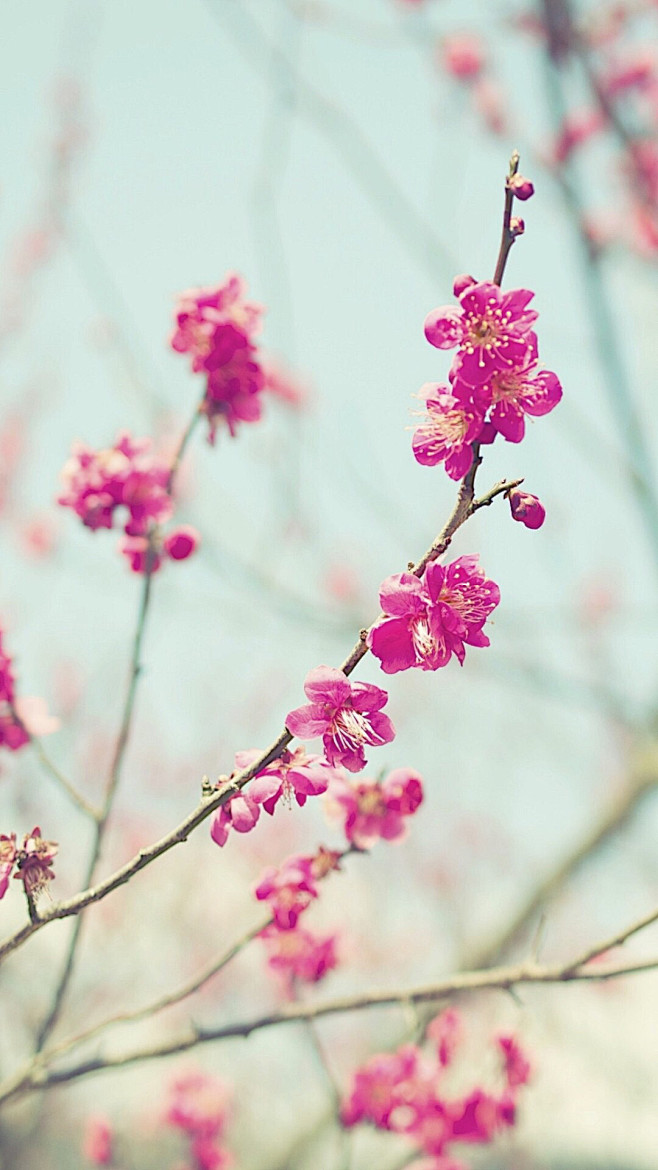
347, 157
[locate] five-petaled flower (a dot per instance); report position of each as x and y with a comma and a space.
427, 620
372, 810
347, 715
491, 328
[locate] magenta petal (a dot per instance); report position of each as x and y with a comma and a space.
391, 642
508, 420
443, 327
219, 827
326, 684
402, 594
382, 727
367, 698
244, 814
264, 787
309, 783
307, 722
434, 578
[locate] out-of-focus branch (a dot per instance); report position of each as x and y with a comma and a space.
348, 140
497, 978
642, 780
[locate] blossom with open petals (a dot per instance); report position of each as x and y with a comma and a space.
491, 328
372, 810
289, 889
511, 394
299, 955
451, 423
427, 620
347, 715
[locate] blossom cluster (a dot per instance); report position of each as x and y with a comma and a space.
128, 477
293, 952
32, 860
428, 619
404, 1092
20, 716
199, 1110
374, 810
217, 327
293, 774
495, 379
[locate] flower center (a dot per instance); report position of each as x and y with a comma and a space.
351, 729
371, 803
423, 639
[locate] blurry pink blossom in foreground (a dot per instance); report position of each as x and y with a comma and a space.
347, 715
126, 475
199, 1109
427, 620
20, 716
372, 810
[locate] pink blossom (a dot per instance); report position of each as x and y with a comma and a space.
491, 328
217, 326
380, 1086
202, 316
143, 553
23, 716
374, 811
463, 56
527, 509
426, 621
523, 189
452, 423
511, 394
241, 812
299, 955
97, 1147
293, 774
127, 475
199, 1105
34, 862
289, 890
347, 715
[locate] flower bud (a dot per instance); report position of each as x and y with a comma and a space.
182, 542
516, 226
461, 283
526, 509
521, 187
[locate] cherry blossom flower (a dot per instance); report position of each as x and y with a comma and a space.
373, 810
34, 862
199, 1105
527, 509
511, 394
299, 955
289, 890
347, 715
126, 475
203, 316
452, 423
491, 328
293, 774
217, 327
405, 1092
426, 621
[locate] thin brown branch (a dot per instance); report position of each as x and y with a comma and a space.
497, 978
58, 776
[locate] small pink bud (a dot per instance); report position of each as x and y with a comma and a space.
463, 56
526, 509
182, 542
521, 187
516, 225
461, 283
